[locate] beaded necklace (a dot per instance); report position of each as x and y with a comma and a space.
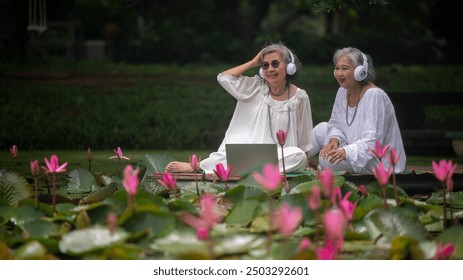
347, 110
270, 117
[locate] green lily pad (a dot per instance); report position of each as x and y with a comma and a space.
90, 239
180, 242
38, 228
32, 250
243, 212
384, 226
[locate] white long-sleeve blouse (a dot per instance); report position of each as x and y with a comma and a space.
375, 120
258, 117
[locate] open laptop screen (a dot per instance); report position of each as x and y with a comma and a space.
247, 158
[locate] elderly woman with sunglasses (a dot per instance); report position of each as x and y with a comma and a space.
266, 103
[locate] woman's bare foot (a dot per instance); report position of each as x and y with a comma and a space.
312, 163
179, 167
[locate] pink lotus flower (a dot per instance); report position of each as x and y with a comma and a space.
270, 179
14, 151
287, 219
194, 162
328, 252
304, 244
202, 233
443, 170
335, 224
222, 173
119, 155
35, 169
209, 216
347, 207
440, 170
344, 204
451, 170
281, 136
315, 200
363, 190
168, 181
53, 165
90, 156
444, 252
131, 180
379, 151
326, 178
381, 174
393, 156
130, 183
210, 211
111, 222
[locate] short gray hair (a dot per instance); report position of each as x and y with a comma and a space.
355, 56
286, 53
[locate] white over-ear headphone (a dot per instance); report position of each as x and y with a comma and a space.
361, 71
291, 68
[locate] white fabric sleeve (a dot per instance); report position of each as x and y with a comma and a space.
337, 120
241, 88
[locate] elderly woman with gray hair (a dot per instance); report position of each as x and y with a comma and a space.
362, 114
266, 103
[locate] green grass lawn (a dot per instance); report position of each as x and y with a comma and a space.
71, 105
102, 163
78, 159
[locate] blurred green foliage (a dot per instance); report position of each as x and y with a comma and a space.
75, 105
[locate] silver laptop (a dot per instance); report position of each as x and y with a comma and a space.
247, 158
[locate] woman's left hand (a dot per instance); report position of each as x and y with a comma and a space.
336, 156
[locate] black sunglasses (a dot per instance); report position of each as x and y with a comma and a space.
275, 64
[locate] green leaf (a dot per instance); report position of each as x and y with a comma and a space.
285, 249
339, 181
32, 250
39, 228
98, 213
13, 188
157, 224
100, 194
405, 247
156, 162
348, 186
386, 225
456, 197
375, 188
23, 214
294, 181
188, 191
261, 224
305, 187
243, 212
80, 181
366, 205
242, 192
